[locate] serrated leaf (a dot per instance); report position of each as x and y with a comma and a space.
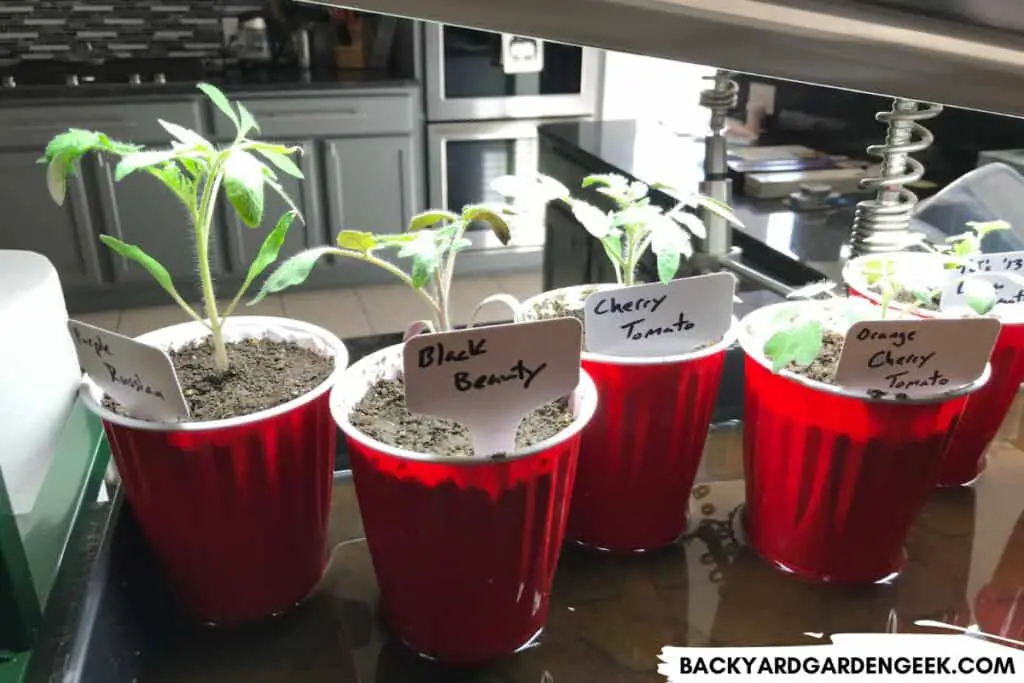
220, 101
270, 249
72, 144
293, 271
243, 183
150, 264
282, 161
494, 220
691, 222
56, 181
363, 242
429, 219
187, 137
137, 160
596, 222
799, 345
246, 121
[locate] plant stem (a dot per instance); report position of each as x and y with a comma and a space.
448, 270
397, 272
629, 270
205, 220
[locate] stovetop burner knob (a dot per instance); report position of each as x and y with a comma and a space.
160, 79
135, 79
9, 82
71, 79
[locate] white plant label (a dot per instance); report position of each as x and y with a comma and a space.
1003, 262
1009, 289
660, 319
138, 376
916, 357
489, 378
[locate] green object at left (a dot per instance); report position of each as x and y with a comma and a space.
32, 544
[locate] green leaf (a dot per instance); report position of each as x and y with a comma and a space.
363, 242
246, 121
668, 241
152, 266
799, 345
185, 136
983, 228
980, 295
176, 181
397, 239
612, 181
637, 191
292, 272
243, 183
429, 219
270, 248
220, 101
72, 144
596, 222
425, 253
493, 219
718, 208
282, 162
691, 222
133, 162
612, 243
56, 181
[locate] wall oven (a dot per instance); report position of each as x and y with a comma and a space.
475, 75
465, 157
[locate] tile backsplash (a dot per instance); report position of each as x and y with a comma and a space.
47, 29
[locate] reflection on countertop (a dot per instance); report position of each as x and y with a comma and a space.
652, 154
610, 616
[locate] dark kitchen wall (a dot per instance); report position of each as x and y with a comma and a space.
843, 122
46, 29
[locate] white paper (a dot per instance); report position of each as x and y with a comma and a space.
923, 357
1009, 290
521, 55
489, 378
1003, 262
138, 376
660, 319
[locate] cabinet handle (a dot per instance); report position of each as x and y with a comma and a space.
331, 116
93, 124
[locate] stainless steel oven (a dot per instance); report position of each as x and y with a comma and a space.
465, 157
473, 75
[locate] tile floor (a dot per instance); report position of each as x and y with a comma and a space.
355, 312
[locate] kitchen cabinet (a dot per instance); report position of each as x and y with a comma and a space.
32, 221
361, 159
370, 183
244, 242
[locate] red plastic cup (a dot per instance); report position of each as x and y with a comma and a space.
834, 478
640, 453
464, 549
235, 510
987, 408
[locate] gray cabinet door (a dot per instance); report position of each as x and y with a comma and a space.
33, 222
141, 210
369, 183
244, 242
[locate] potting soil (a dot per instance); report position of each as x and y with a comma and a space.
382, 415
906, 298
261, 374
823, 368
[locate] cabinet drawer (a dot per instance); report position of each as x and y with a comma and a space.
307, 117
127, 122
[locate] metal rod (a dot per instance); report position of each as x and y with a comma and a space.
729, 262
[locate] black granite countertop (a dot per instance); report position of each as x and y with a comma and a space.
805, 244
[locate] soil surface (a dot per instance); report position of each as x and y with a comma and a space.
557, 307
382, 415
262, 374
823, 369
906, 298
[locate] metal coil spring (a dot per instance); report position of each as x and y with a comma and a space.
882, 224
720, 98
